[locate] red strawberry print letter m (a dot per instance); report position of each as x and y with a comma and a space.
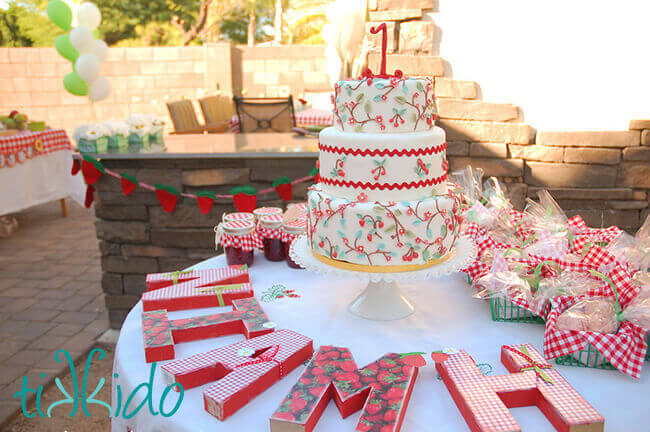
383, 386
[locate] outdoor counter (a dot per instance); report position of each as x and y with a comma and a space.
136, 236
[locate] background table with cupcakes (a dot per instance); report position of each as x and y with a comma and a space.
35, 169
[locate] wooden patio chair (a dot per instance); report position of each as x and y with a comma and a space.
185, 121
265, 114
217, 111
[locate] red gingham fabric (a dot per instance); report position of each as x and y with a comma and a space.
604, 235
198, 277
240, 377
475, 269
625, 349
269, 233
26, 145
308, 117
247, 242
473, 230
191, 290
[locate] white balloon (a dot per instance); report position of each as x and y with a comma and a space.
99, 89
89, 15
100, 49
82, 39
87, 67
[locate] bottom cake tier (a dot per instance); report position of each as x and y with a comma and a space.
382, 233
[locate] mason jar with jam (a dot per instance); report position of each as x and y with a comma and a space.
239, 241
268, 230
290, 231
266, 211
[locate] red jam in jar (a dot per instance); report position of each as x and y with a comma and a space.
237, 255
270, 232
291, 230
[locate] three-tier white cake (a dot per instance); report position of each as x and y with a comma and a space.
382, 199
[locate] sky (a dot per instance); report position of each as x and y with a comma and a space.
4, 4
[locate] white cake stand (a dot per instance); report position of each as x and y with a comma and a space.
383, 300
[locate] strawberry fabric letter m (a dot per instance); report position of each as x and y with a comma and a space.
382, 388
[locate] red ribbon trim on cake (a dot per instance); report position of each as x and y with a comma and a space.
383, 152
383, 186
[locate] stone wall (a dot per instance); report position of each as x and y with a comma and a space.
604, 176
137, 237
144, 78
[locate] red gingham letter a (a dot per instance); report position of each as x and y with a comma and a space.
384, 386
484, 400
241, 370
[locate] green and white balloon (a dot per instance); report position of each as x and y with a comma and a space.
81, 47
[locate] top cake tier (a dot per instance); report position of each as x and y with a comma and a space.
384, 105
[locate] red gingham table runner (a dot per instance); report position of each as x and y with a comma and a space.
625, 349
25, 145
308, 117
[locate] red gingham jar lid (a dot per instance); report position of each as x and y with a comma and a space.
264, 211
296, 226
238, 227
238, 216
271, 221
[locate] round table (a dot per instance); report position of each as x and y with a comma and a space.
446, 316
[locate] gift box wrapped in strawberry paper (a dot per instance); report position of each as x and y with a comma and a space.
588, 284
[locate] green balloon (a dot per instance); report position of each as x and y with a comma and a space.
64, 47
60, 14
75, 85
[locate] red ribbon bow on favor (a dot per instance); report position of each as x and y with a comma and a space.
532, 364
268, 356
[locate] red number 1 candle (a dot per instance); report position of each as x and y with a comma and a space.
384, 39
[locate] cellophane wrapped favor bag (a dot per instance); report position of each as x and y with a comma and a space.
548, 227
505, 288
633, 250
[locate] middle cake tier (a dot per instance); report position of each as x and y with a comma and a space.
406, 166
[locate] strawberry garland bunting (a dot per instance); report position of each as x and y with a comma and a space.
244, 197
205, 199
167, 196
129, 183
76, 166
91, 169
90, 196
284, 188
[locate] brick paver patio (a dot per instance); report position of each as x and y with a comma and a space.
50, 296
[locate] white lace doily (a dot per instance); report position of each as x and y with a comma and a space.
464, 253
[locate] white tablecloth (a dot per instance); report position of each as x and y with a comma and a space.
39, 180
446, 316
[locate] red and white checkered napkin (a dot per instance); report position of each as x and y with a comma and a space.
625, 349
52, 140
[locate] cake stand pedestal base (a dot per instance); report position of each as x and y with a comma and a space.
382, 301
